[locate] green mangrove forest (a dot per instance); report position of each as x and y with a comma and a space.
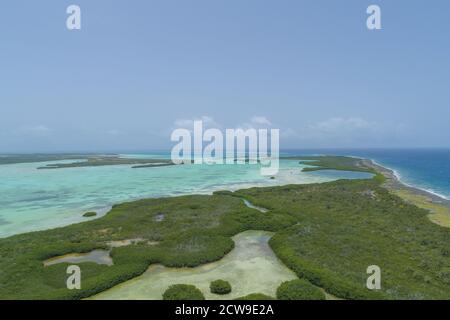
327, 233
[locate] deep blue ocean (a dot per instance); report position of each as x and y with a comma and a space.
427, 169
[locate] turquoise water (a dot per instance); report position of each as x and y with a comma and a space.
34, 199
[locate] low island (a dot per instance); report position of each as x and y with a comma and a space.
327, 234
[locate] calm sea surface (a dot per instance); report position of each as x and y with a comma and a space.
34, 199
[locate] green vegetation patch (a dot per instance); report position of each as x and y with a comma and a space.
95, 161
299, 289
439, 214
30, 158
333, 163
345, 226
90, 214
183, 292
256, 296
220, 287
195, 230
342, 163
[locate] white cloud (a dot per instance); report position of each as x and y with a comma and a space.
339, 125
288, 133
260, 120
208, 122
38, 130
346, 132
332, 132
114, 132
256, 122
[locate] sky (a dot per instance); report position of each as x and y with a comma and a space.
139, 69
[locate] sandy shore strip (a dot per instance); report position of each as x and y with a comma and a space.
437, 205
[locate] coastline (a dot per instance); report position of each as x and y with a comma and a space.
398, 177
437, 205
394, 181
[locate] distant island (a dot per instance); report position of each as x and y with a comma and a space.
95, 161
83, 160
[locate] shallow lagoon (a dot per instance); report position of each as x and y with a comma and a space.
250, 267
96, 256
41, 199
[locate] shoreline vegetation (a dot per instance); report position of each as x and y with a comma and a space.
327, 233
111, 161
38, 157
83, 160
439, 207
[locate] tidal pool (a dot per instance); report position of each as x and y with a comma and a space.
97, 256
251, 205
250, 267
